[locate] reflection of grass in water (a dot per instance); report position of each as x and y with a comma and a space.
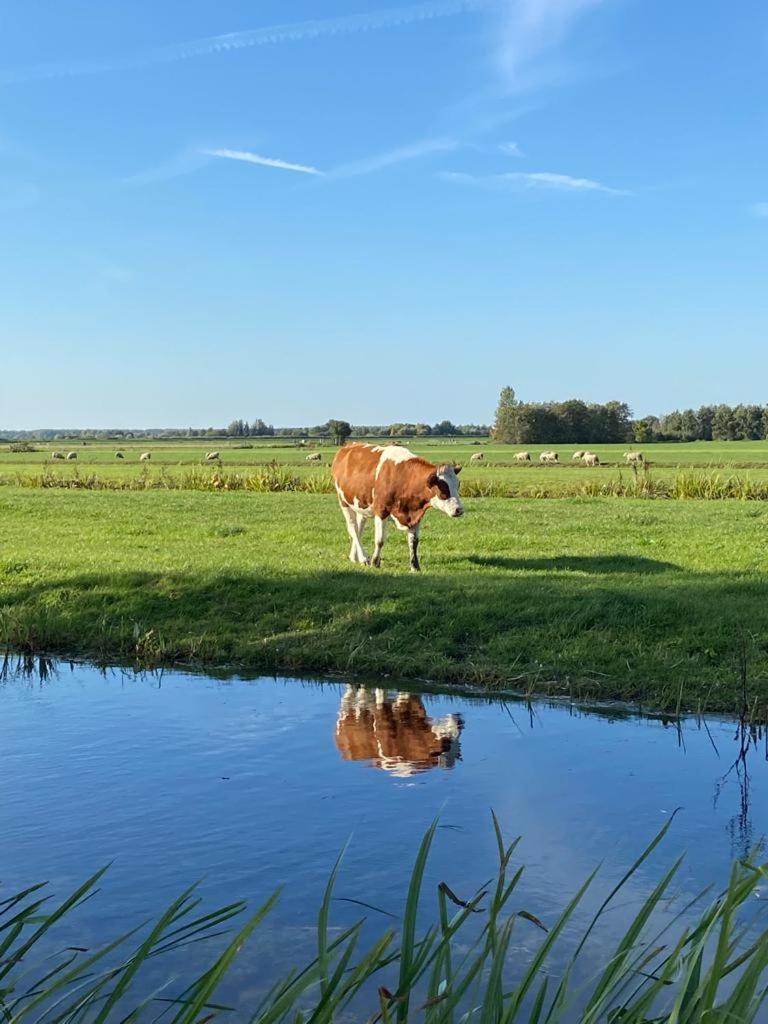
680, 969
581, 598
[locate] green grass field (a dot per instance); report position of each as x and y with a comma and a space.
611, 598
747, 459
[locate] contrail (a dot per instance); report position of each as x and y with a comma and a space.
346, 25
265, 161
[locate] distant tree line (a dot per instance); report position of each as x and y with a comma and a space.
709, 423
572, 421
575, 421
258, 428
242, 428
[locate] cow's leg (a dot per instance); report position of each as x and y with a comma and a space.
356, 553
413, 547
360, 526
379, 526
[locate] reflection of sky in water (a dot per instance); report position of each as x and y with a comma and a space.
251, 784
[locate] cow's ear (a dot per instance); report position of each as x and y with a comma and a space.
457, 470
432, 480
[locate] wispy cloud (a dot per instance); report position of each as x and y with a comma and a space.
414, 151
759, 210
186, 162
545, 180
530, 28
269, 35
264, 161
511, 149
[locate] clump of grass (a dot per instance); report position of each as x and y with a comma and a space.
684, 969
715, 487
269, 478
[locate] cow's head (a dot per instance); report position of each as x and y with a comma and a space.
444, 482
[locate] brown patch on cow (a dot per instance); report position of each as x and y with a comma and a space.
404, 490
354, 470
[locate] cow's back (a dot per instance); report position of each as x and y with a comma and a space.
354, 472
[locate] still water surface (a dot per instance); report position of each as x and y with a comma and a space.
249, 784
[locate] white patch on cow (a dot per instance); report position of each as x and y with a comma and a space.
393, 453
353, 517
452, 505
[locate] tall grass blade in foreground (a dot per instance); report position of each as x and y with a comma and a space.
706, 967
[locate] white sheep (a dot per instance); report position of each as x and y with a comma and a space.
633, 457
71, 455
212, 456
578, 456
591, 459
314, 457
145, 456
549, 458
522, 456
56, 455
477, 457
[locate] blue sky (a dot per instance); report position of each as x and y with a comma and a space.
299, 210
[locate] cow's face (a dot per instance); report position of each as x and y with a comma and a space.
445, 483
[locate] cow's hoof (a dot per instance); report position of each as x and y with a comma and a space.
415, 568
376, 563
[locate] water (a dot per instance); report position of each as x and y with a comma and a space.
251, 784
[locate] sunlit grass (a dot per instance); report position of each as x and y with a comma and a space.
642, 600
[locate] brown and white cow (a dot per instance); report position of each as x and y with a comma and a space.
390, 482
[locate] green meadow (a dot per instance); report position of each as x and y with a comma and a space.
664, 603
182, 463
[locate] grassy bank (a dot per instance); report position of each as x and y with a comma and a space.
649, 601
702, 962
490, 482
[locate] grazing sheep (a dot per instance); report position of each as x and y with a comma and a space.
212, 457
314, 457
145, 456
56, 455
477, 457
578, 456
71, 455
633, 457
119, 455
549, 458
522, 456
591, 459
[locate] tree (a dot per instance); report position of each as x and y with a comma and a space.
504, 426
575, 419
645, 430
444, 429
339, 430
723, 426
704, 418
748, 422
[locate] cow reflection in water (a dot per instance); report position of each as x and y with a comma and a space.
394, 732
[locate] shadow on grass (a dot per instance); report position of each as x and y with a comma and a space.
601, 634
577, 563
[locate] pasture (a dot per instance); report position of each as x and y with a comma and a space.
173, 462
664, 603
